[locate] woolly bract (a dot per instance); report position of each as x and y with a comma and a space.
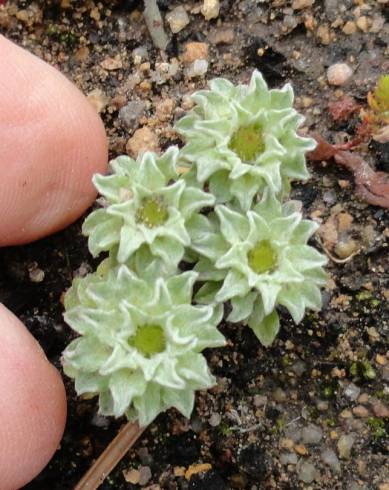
140, 342
146, 206
258, 260
243, 139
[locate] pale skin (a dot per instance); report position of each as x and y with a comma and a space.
51, 143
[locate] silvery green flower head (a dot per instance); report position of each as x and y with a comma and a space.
243, 138
258, 260
147, 206
140, 342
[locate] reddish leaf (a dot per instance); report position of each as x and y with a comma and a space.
323, 150
343, 108
370, 185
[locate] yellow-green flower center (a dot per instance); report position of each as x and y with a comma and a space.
149, 340
262, 258
247, 142
152, 212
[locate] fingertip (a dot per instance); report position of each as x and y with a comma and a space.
53, 141
32, 405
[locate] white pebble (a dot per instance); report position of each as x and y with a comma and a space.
210, 9
177, 19
312, 434
339, 74
307, 472
345, 444
197, 69
352, 392
329, 457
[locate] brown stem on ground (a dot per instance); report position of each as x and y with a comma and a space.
110, 457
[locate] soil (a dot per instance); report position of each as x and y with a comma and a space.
311, 411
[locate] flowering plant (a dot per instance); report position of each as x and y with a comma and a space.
141, 336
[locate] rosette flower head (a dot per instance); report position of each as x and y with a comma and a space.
140, 343
243, 138
147, 206
259, 260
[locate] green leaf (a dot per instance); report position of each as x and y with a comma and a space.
266, 329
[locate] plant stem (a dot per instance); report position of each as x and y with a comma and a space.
110, 457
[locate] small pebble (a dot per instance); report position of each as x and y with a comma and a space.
345, 444
100, 421
195, 51
215, 419
98, 99
210, 9
144, 475
312, 434
339, 74
360, 411
330, 458
299, 368
142, 140
132, 476
288, 458
260, 400
349, 27
197, 69
177, 19
131, 113
35, 273
279, 395
380, 409
307, 472
352, 392
302, 4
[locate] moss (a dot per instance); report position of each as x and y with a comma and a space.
377, 427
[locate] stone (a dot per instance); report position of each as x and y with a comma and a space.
132, 476
177, 19
307, 472
214, 419
360, 411
345, 445
260, 400
197, 69
131, 113
299, 368
288, 458
111, 64
363, 23
379, 409
98, 99
195, 51
352, 392
302, 4
210, 9
221, 36
323, 33
165, 109
330, 458
279, 395
144, 475
142, 140
349, 28
339, 74
312, 434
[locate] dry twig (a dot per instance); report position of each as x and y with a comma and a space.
110, 457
